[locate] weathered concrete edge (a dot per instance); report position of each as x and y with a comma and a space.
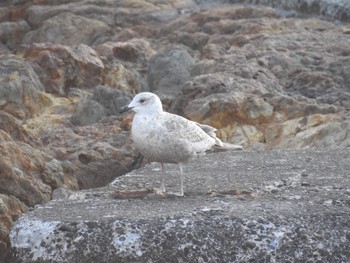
208, 236
294, 223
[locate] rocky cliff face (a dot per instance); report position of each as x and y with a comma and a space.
269, 76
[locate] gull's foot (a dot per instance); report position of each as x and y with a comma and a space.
180, 194
129, 194
160, 192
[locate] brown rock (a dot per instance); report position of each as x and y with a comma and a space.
10, 209
61, 67
195, 41
20, 170
5, 14
13, 127
120, 78
135, 50
316, 131
265, 81
125, 63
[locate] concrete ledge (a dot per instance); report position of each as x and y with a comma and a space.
273, 206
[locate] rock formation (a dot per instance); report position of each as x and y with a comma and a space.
268, 76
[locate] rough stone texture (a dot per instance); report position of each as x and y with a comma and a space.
61, 67
11, 33
21, 93
111, 99
92, 155
339, 9
20, 171
14, 128
269, 76
248, 81
10, 209
67, 28
289, 206
88, 112
169, 70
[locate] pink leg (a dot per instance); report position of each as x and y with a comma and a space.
162, 185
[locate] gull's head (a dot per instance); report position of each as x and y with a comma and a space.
145, 102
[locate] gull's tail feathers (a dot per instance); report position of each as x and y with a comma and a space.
219, 145
227, 147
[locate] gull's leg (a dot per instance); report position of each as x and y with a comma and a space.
162, 184
181, 181
151, 180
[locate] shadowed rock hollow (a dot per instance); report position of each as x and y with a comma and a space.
267, 76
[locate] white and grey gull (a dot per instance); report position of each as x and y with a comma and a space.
168, 138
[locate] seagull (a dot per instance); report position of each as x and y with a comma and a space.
168, 138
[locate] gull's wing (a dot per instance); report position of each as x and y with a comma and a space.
201, 135
190, 131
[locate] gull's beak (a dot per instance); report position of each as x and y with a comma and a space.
125, 109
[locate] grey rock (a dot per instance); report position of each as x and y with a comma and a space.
169, 70
164, 16
330, 9
11, 33
104, 170
238, 207
53, 174
88, 112
61, 193
92, 155
37, 14
111, 99
68, 29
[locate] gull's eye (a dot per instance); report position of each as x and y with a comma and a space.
142, 101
